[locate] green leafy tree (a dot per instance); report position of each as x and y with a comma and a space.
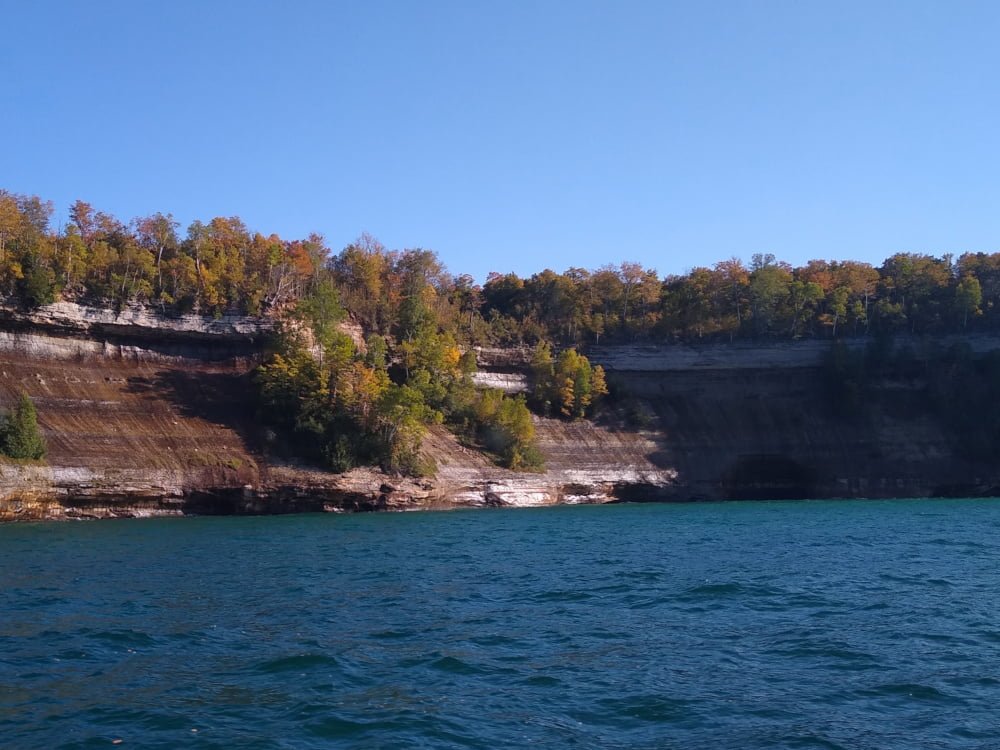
968, 298
568, 383
543, 373
402, 417
361, 274
917, 286
505, 428
803, 297
769, 289
321, 309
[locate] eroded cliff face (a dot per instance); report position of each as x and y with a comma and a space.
756, 422
154, 416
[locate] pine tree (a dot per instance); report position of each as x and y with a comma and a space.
19, 434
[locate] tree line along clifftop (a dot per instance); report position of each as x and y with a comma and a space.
221, 266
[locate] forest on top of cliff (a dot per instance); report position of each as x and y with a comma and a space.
220, 266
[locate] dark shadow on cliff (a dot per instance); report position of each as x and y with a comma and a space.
727, 435
623, 412
224, 399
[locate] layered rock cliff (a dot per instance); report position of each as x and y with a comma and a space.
756, 420
759, 433
147, 415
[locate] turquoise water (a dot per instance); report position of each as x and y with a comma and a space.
734, 625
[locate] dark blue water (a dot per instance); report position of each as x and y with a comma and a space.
755, 625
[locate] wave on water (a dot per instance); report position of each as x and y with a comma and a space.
646, 627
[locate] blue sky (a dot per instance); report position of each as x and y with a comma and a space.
521, 135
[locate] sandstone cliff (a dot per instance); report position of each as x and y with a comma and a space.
755, 420
146, 415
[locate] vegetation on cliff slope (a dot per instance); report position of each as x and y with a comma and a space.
568, 384
342, 405
19, 434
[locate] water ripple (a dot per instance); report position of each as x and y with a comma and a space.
761, 625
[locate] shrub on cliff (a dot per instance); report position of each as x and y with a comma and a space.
19, 434
504, 427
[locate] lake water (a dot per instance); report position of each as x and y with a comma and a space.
855, 624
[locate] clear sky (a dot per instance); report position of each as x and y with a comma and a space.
514, 135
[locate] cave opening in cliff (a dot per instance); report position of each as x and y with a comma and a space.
769, 477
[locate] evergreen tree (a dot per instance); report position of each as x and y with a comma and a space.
19, 432
37, 286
